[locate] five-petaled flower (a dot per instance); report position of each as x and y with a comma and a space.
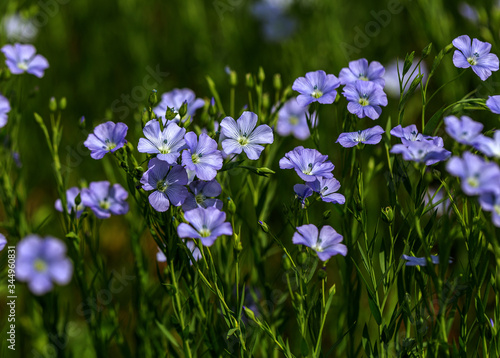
327, 190
242, 135
326, 244
206, 224
309, 164
202, 156
477, 176
107, 137
476, 55
316, 87
23, 58
362, 70
42, 261
202, 194
365, 99
367, 136
167, 143
167, 182
105, 199
463, 130
292, 119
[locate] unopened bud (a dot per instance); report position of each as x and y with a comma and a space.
302, 257
427, 50
153, 97
249, 313
170, 114
233, 78
261, 76
81, 122
138, 172
264, 226
183, 109
53, 104
78, 200
231, 206
277, 82
213, 108
327, 214
286, 263
63, 103
249, 80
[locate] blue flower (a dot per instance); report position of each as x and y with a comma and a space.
477, 56
3, 241
23, 58
41, 262
202, 192
490, 201
361, 70
4, 109
420, 261
421, 152
302, 192
493, 104
326, 244
71, 195
463, 130
167, 182
19, 28
327, 189
292, 120
309, 164
105, 199
243, 136
365, 99
476, 175
409, 133
202, 157
107, 137
167, 143
488, 146
206, 224
367, 136
174, 99
316, 87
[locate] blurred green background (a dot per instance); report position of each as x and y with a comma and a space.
102, 53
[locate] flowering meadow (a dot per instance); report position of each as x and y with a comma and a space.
269, 178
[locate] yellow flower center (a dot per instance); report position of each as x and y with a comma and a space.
40, 265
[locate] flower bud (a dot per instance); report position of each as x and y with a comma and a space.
81, 122
238, 247
231, 206
170, 114
62, 103
183, 109
326, 214
233, 78
266, 102
286, 263
53, 104
153, 97
249, 80
427, 50
277, 82
78, 200
249, 313
261, 76
302, 257
264, 226
213, 108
